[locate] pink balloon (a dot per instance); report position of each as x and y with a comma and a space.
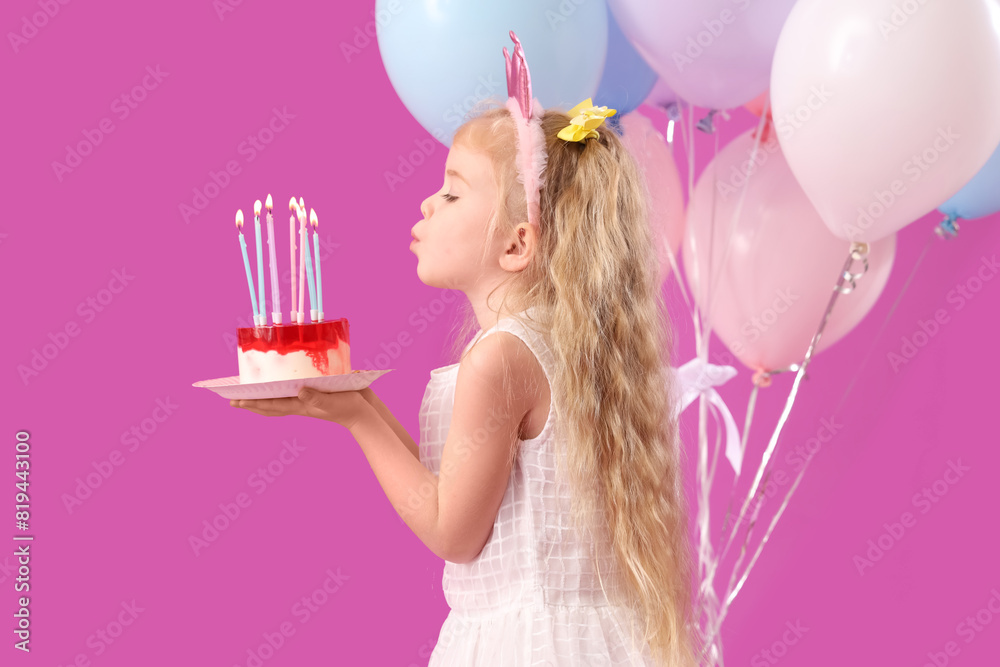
666, 204
884, 114
756, 105
771, 291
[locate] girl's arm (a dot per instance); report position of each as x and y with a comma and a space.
391, 420
453, 513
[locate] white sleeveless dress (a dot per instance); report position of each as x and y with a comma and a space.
532, 596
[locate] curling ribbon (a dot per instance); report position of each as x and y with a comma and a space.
697, 377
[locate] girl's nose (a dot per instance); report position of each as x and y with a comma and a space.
425, 208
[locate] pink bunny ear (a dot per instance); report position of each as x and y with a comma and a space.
527, 112
518, 77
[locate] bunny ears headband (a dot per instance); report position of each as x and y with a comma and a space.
527, 112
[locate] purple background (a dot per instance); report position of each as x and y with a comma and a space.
173, 324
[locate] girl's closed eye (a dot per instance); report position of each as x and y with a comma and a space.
449, 197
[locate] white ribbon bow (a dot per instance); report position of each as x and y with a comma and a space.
697, 377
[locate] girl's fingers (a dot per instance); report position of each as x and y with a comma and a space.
270, 406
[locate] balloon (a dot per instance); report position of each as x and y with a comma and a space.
771, 291
442, 58
714, 53
756, 105
980, 196
666, 200
661, 95
627, 79
884, 114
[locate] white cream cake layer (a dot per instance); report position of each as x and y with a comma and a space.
256, 366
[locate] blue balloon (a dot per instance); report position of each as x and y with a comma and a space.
980, 196
627, 79
443, 57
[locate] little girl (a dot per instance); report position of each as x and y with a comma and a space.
548, 474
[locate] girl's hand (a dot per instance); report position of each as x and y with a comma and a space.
346, 408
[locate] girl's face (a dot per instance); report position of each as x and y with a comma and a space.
449, 241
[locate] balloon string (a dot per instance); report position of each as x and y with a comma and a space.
751, 405
858, 252
706, 312
801, 473
670, 253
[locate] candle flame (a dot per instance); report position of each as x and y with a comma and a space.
313, 220
239, 219
302, 204
256, 208
292, 204
268, 203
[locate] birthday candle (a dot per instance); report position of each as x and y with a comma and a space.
272, 262
260, 264
314, 221
291, 242
309, 268
246, 262
302, 265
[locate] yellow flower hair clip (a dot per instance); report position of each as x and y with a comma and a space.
586, 119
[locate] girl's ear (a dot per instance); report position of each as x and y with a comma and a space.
520, 248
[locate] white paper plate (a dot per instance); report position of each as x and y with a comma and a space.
231, 388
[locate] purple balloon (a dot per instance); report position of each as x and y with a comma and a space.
713, 53
661, 95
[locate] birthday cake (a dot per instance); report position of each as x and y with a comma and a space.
293, 351
308, 346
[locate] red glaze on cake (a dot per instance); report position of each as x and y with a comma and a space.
278, 352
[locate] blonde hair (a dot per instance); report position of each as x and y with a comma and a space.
594, 281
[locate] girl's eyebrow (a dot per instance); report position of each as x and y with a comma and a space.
452, 172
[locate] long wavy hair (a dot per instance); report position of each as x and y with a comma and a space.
593, 282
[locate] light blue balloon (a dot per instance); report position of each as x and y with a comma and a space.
980, 196
627, 79
444, 56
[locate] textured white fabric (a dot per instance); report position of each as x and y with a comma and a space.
533, 595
